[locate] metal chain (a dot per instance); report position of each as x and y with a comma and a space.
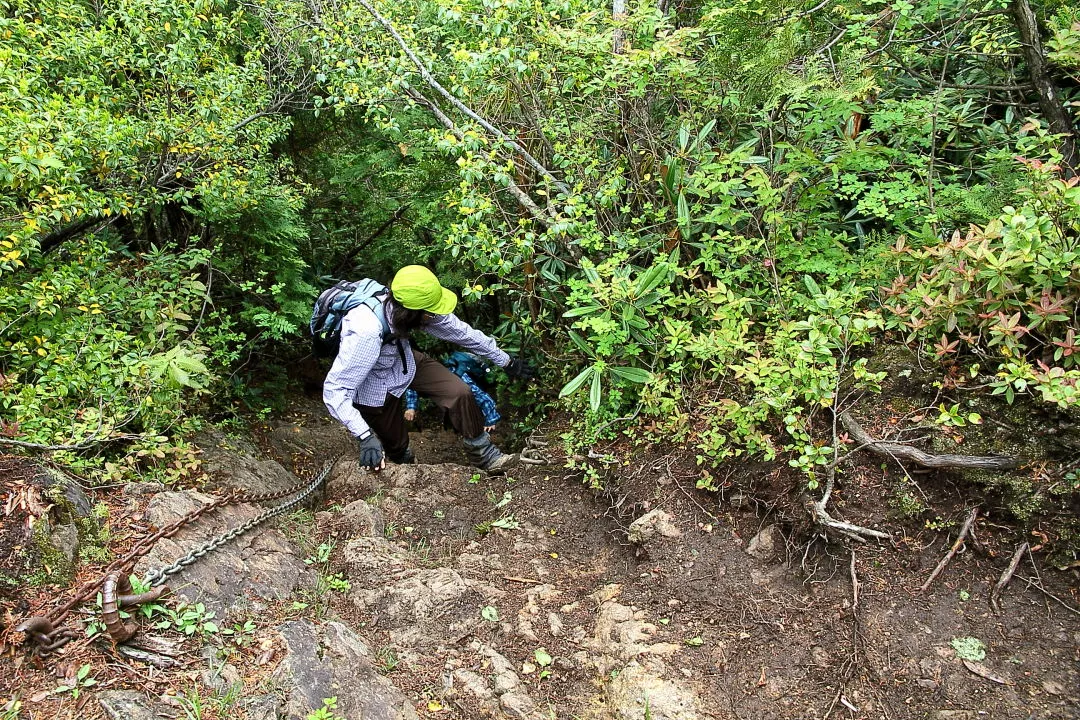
157, 577
143, 547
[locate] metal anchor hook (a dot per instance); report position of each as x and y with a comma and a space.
116, 592
43, 636
535, 452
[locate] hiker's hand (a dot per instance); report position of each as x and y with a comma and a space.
410, 415
371, 453
517, 367
489, 428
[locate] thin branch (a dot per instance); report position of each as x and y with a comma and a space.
431, 81
854, 583
544, 218
1007, 575
952, 551
84, 445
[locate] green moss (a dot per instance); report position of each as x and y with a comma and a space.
94, 534
53, 567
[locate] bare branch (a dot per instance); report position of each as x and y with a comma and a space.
953, 550
900, 451
462, 107
538, 214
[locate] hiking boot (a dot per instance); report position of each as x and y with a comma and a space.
484, 455
405, 457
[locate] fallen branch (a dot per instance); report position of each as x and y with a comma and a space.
1007, 575
900, 452
854, 583
854, 532
1038, 586
953, 550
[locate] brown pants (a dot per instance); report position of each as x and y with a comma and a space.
433, 381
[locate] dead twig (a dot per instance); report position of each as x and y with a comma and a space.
900, 451
953, 550
854, 583
1038, 586
1006, 576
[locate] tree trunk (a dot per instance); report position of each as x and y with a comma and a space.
1049, 100
618, 14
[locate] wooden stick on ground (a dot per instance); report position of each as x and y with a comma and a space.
901, 452
854, 583
952, 551
1007, 576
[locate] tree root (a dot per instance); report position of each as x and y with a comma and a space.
1006, 576
953, 550
854, 532
901, 452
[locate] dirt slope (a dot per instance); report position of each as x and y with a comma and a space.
433, 591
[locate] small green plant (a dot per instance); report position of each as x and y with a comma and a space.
10, 710
500, 502
954, 417
906, 503
241, 633
196, 703
322, 554
475, 479
326, 712
386, 660
76, 685
544, 660
969, 648
506, 523
189, 619
490, 613
337, 582
965, 596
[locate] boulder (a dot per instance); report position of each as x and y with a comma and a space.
652, 524
331, 661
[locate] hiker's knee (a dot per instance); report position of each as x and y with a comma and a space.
458, 392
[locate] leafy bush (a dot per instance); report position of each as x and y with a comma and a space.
1005, 294
103, 345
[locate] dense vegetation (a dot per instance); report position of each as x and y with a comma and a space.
702, 216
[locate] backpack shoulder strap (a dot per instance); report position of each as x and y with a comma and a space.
375, 305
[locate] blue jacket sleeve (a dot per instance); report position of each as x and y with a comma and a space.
484, 401
412, 400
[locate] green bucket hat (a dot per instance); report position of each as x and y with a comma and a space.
417, 288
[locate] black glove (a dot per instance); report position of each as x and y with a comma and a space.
371, 452
520, 368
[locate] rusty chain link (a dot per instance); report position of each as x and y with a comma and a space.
157, 577
45, 631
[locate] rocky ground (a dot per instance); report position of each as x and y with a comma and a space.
431, 591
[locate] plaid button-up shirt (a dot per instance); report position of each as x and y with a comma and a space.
365, 370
